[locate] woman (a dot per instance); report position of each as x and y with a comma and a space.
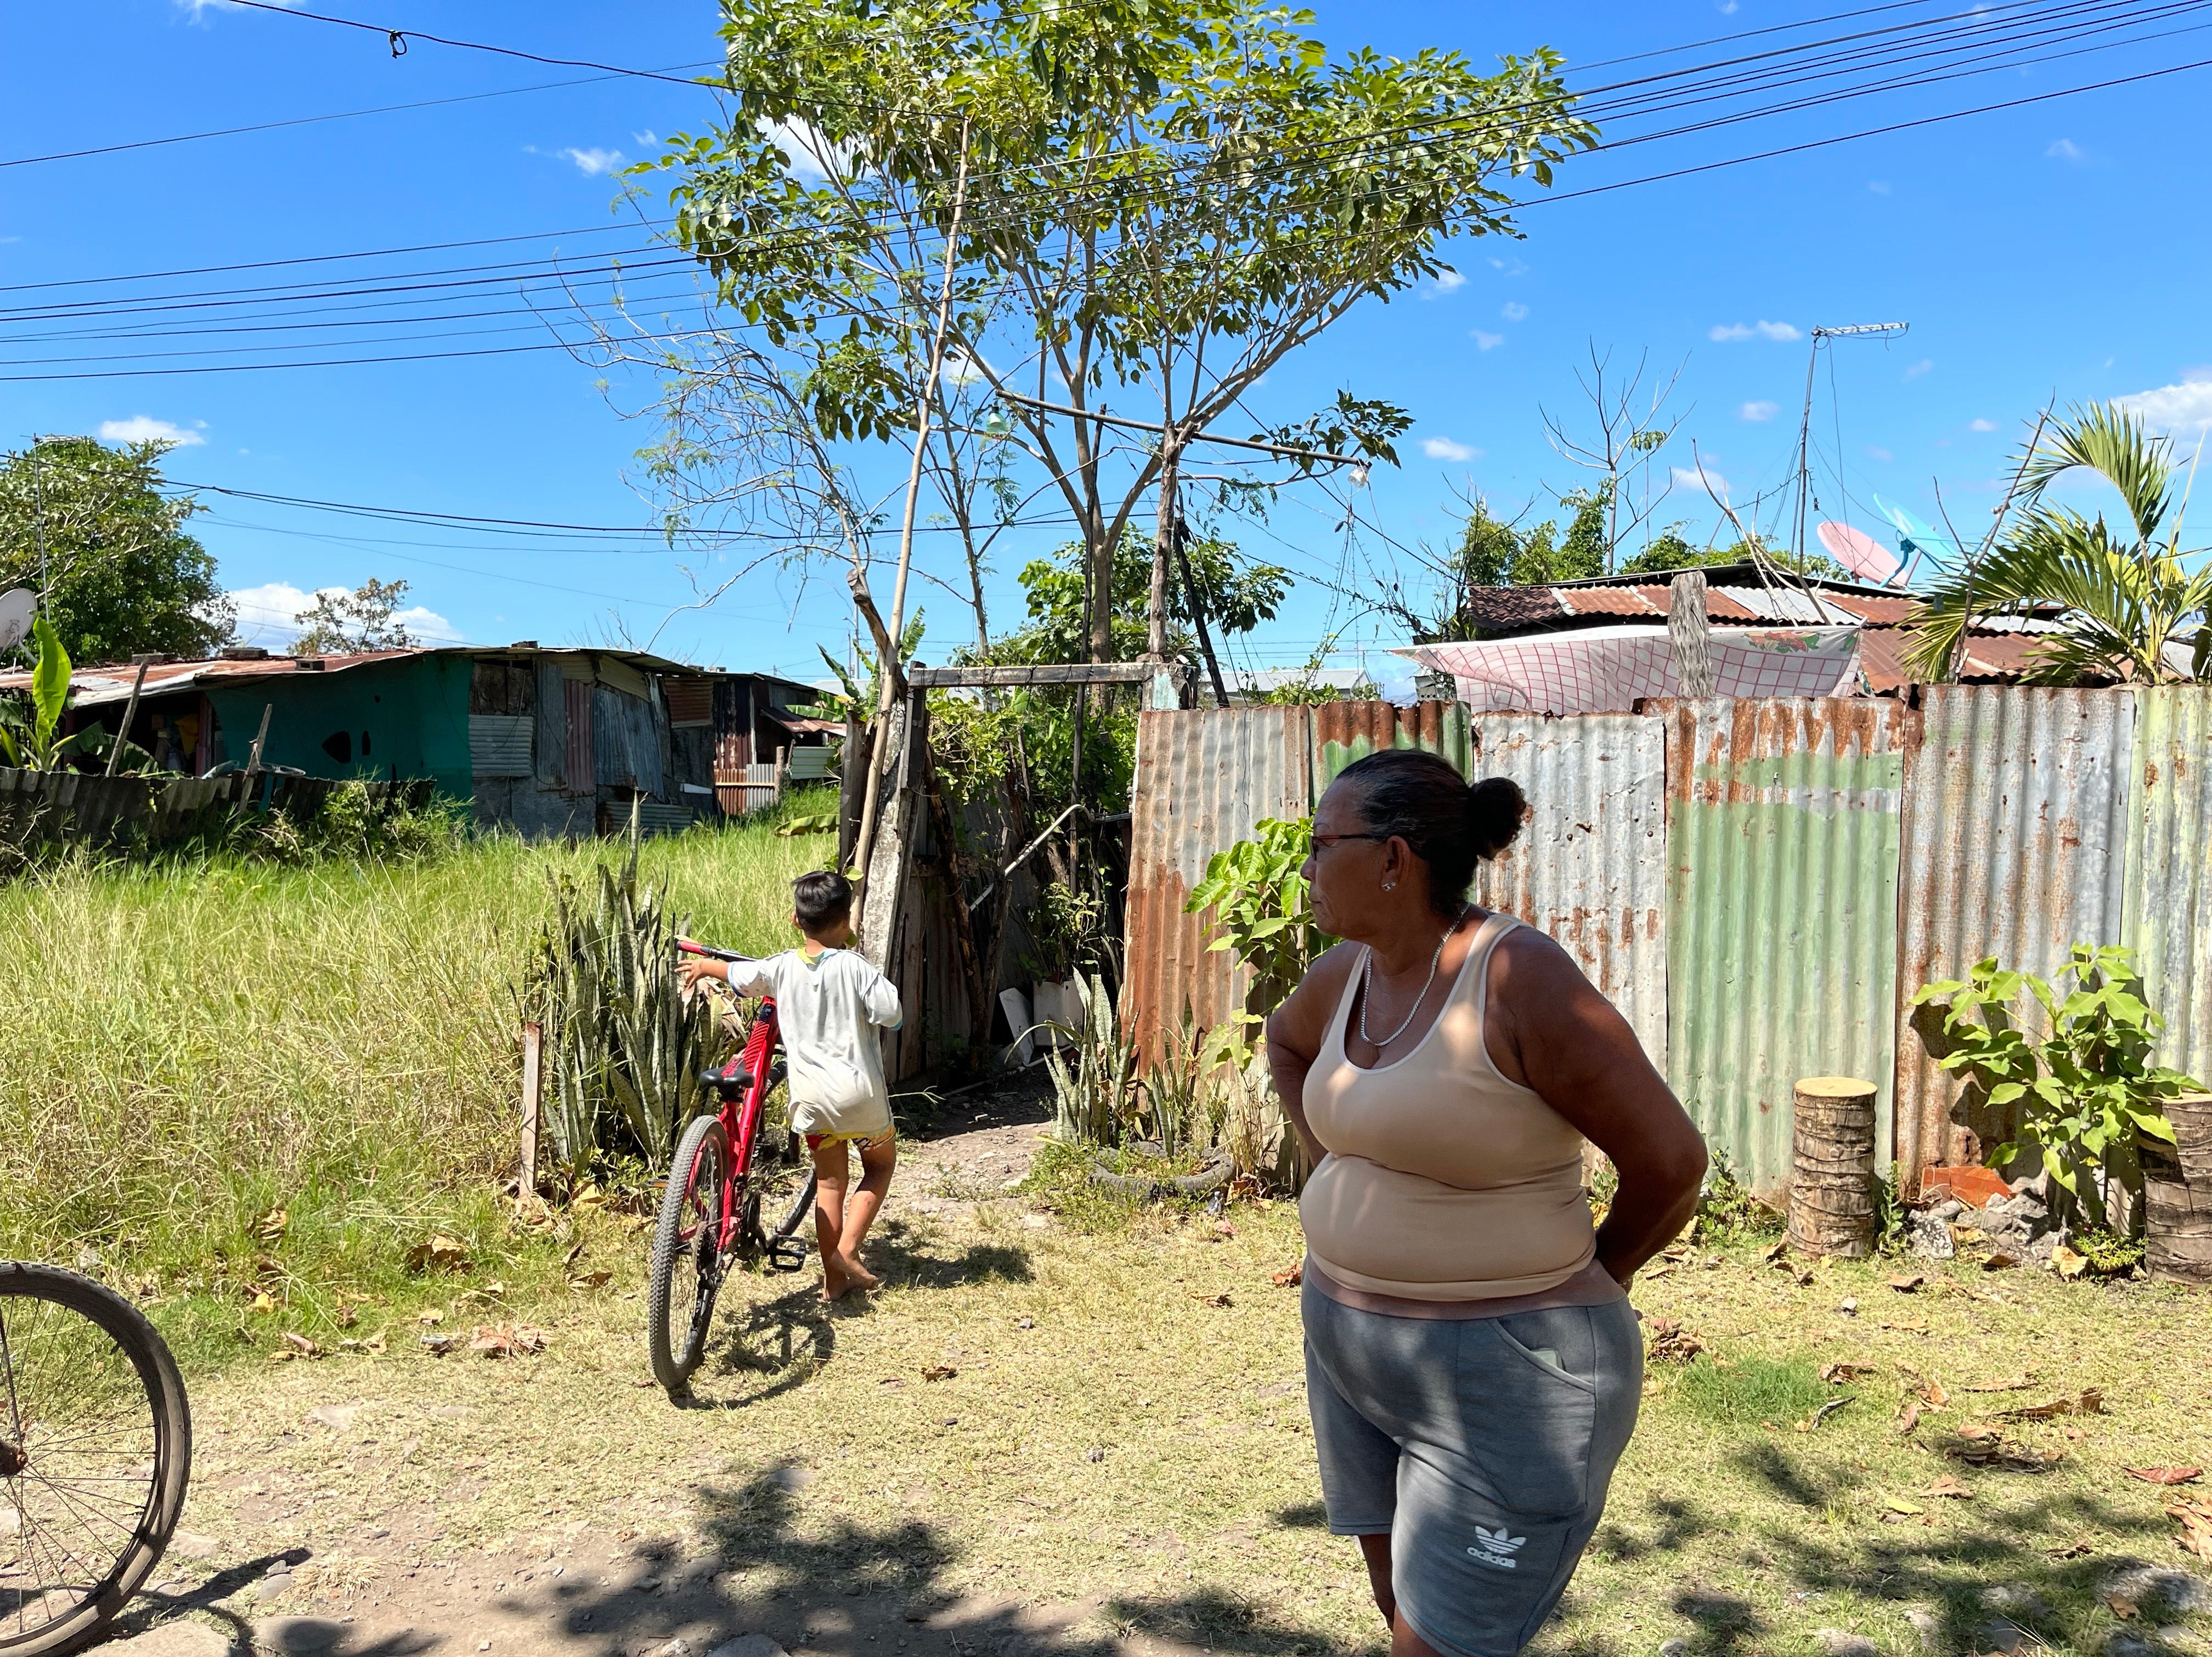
1471, 1363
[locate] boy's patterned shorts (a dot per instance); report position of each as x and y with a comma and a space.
865, 1142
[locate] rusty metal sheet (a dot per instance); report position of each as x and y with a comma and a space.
1782, 844
1345, 731
2015, 846
1204, 779
2170, 825
1590, 867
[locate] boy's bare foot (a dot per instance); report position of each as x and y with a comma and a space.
836, 1278
858, 1276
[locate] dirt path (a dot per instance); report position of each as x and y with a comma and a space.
389, 1581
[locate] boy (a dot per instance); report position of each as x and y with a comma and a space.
830, 1002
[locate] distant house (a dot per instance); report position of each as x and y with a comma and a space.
551, 741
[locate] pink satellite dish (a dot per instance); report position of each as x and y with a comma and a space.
1859, 553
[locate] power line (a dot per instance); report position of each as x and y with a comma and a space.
315, 120
398, 40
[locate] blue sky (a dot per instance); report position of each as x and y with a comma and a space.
2049, 249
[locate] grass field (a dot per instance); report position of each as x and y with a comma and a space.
191, 1047
1101, 1433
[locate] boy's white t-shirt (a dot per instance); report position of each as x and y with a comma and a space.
830, 1006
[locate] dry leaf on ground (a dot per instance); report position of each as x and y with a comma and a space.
1908, 1416
2066, 1262
1950, 1488
1907, 1285
2090, 1402
2018, 1383
1290, 1279
2121, 1606
300, 1345
1673, 1343
1209, 1300
270, 1226
2165, 1475
938, 1372
2196, 1520
591, 1279
1840, 1374
2000, 1261
439, 1253
501, 1341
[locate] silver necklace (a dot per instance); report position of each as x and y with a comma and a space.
1367, 986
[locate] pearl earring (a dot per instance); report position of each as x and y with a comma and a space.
1390, 885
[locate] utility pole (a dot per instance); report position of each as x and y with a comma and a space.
1163, 545
1854, 331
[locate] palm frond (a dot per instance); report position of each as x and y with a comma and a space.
2115, 444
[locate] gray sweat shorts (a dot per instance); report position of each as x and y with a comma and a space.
1481, 1445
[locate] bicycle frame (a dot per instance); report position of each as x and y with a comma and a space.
741, 1116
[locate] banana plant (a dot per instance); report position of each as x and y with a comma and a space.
32, 743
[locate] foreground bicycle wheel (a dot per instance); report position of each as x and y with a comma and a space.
687, 1262
95, 1447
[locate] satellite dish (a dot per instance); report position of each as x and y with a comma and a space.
1859, 553
16, 610
1920, 540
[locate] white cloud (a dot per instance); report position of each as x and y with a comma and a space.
593, 163
804, 148
144, 429
428, 625
1514, 312
2182, 409
647, 139
960, 369
1876, 454
1723, 332
1759, 410
1443, 448
199, 9
1444, 282
1687, 478
1981, 425
269, 616
1487, 342
1727, 8
1919, 367
1880, 186
2064, 149
1510, 267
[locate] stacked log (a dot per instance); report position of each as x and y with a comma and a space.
1831, 1168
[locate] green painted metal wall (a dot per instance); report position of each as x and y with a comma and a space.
2169, 915
1782, 838
413, 710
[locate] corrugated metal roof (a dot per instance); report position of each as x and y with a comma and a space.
1591, 868
1204, 781
1882, 612
1502, 609
1782, 843
2016, 838
1609, 601
1781, 603
2169, 860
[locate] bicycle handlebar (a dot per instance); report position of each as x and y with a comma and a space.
686, 946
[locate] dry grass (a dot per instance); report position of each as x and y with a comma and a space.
820, 1452
189, 1049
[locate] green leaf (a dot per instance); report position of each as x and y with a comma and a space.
50, 679
2154, 1123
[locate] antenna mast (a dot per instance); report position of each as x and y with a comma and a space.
1855, 331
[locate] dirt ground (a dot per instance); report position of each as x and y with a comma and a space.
1040, 1441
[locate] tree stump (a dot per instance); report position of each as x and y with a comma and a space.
2177, 1195
1832, 1166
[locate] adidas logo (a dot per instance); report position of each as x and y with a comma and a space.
1496, 1548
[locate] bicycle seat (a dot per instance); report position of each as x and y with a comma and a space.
730, 1084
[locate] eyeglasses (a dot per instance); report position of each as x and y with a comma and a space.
1322, 842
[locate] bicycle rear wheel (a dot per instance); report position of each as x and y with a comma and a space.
687, 1262
95, 1447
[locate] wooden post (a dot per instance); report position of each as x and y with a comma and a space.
1832, 1166
129, 712
533, 1044
2177, 1195
1689, 632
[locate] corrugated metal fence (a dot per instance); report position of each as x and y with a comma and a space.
1759, 886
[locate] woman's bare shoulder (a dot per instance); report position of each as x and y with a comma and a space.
1331, 967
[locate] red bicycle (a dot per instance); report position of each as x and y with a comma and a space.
711, 1214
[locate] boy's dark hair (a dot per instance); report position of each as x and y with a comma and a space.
821, 899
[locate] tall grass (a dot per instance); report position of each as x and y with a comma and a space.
188, 1045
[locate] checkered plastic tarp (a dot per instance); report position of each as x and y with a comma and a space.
1606, 670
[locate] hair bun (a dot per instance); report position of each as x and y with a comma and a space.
1496, 809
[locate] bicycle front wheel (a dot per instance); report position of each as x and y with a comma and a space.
687, 1262
95, 1447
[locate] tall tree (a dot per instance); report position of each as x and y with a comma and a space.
2133, 607
89, 529
343, 623
1170, 193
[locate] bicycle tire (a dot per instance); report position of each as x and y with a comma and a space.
105, 1353
801, 1206
696, 1175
